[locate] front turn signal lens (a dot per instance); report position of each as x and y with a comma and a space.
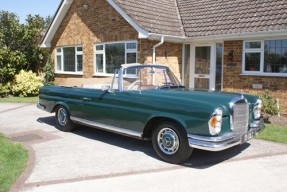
213, 121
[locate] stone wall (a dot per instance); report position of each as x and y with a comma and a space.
234, 81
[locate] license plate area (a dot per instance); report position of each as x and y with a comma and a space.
247, 136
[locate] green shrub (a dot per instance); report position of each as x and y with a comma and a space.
269, 104
11, 62
26, 84
49, 76
4, 90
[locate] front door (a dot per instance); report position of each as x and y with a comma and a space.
202, 66
202, 72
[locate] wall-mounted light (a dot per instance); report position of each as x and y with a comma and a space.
86, 6
230, 56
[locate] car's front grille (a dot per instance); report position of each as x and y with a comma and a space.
240, 116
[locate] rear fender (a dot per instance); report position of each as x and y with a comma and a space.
60, 103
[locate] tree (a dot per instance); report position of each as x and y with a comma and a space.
19, 44
10, 31
31, 40
12, 59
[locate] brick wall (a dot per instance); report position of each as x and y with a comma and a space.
233, 81
168, 54
101, 23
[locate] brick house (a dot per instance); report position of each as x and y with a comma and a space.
238, 45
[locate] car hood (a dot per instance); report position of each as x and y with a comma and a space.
207, 101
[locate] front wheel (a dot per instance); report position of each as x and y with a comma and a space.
63, 120
170, 142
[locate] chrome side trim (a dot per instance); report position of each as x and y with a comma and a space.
107, 127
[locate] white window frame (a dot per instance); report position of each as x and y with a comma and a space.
261, 51
62, 60
253, 50
103, 52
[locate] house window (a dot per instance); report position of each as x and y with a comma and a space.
110, 56
267, 57
69, 59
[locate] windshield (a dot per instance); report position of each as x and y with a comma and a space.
148, 77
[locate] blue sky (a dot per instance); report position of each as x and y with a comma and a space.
34, 7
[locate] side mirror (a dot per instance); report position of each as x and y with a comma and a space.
106, 88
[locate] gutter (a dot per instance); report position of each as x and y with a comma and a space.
154, 47
239, 36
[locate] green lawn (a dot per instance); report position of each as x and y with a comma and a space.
12, 99
13, 159
274, 133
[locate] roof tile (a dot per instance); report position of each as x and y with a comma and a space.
155, 16
220, 17
194, 18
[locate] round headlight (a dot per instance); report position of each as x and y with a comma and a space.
257, 109
215, 122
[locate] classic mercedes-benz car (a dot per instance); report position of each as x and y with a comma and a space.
148, 102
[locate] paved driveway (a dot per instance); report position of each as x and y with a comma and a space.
94, 160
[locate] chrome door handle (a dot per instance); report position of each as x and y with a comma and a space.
87, 99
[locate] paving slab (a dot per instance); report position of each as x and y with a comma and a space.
254, 175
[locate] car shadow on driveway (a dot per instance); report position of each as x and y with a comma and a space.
199, 159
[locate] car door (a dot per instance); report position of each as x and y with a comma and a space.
115, 110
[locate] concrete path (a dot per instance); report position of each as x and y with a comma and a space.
94, 160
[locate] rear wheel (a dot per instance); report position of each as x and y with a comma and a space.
170, 142
63, 120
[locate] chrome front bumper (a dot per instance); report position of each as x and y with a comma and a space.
226, 141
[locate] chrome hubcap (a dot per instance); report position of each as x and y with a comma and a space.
168, 141
62, 116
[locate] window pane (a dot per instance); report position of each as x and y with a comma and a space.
79, 48
202, 60
131, 46
99, 63
115, 56
201, 83
131, 71
218, 78
252, 61
59, 63
79, 63
69, 59
59, 50
131, 58
252, 45
275, 57
99, 47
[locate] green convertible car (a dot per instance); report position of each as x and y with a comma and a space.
148, 102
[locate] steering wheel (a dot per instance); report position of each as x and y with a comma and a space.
134, 85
